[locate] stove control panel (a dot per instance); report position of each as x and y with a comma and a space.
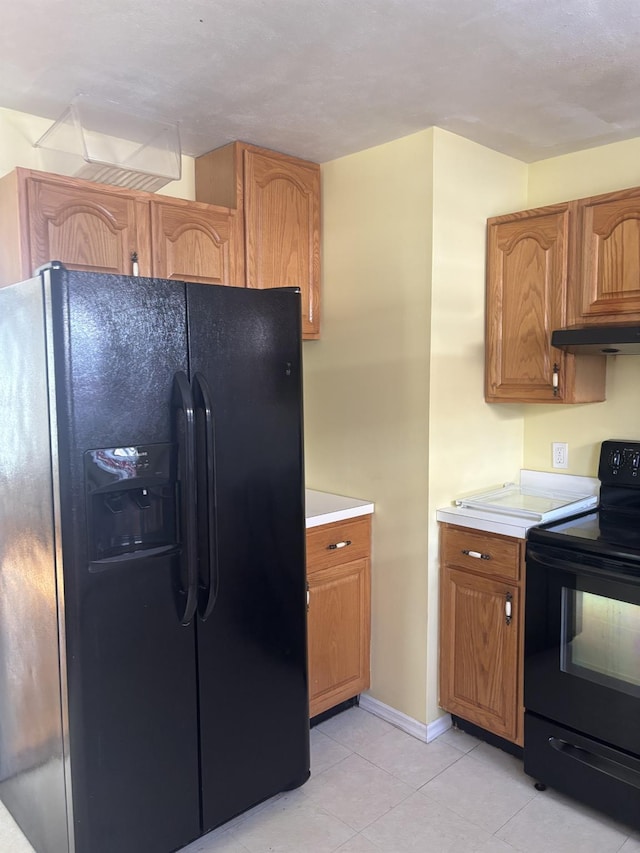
620, 463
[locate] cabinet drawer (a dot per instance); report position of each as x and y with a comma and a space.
337, 543
485, 553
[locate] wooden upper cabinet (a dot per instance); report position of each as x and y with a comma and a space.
606, 287
282, 228
195, 242
91, 229
103, 229
278, 198
527, 271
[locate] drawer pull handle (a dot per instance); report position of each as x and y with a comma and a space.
476, 554
507, 608
335, 545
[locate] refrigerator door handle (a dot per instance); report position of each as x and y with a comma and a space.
185, 429
202, 397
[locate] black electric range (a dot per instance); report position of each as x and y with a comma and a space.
613, 531
582, 645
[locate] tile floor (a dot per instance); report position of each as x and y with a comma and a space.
374, 788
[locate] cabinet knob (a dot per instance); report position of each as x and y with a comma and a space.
335, 545
507, 608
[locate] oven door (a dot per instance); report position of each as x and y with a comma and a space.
582, 644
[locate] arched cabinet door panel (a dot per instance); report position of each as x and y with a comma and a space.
607, 288
87, 228
195, 242
527, 274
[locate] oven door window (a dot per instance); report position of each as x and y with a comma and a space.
600, 640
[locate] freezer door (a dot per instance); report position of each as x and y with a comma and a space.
119, 343
244, 350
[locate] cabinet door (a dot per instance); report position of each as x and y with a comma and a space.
608, 287
527, 267
282, 229
479, 651
338, 623
526, 289
87, 228
195, 242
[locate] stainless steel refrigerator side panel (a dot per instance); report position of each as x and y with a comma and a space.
32, 734
55, 478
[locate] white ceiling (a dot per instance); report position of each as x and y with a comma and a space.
324, 78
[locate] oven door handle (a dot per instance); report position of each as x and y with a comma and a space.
593, 565
596, 762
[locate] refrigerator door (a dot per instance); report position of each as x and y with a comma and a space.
244, 350
119, 343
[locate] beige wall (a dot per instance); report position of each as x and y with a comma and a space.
367, 386
19, 131
471, 444
610, 167
394, 389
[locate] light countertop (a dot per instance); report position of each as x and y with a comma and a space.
512, 524
325, 508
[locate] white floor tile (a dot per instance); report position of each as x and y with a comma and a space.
548, 823
356, 791
419, 824
358, 844
219, 841
461, 740
411, 760
292, 825
325, 752
354, 728
11, 838
480, 791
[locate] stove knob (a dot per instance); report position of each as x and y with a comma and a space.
615, 460
635, 463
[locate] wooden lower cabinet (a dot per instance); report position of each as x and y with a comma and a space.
339, 612
481, 629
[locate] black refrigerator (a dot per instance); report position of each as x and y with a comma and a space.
153, 678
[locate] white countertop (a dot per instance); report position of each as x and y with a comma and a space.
325, 508
513, 525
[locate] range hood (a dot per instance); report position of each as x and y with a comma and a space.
613, 339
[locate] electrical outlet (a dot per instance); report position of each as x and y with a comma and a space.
560, 454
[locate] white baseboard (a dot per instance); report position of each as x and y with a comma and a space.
408, 724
